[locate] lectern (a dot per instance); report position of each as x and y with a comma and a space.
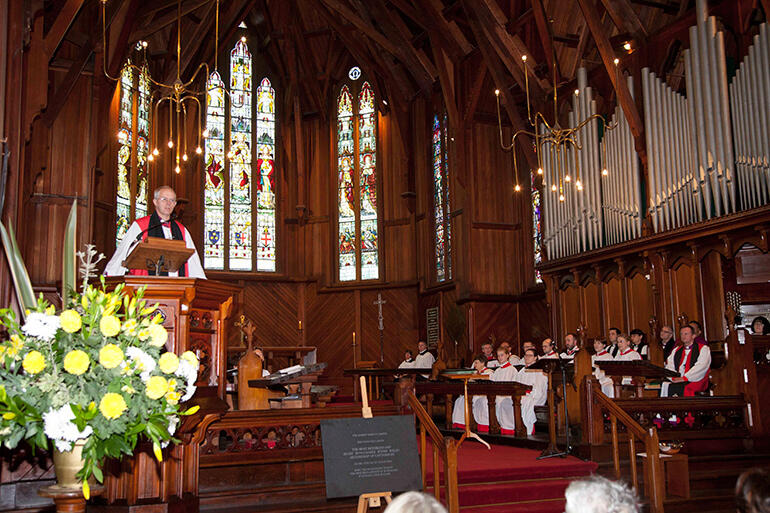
195, 313
154, 253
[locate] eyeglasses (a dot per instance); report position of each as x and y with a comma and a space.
167, 200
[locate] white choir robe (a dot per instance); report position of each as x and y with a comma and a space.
458, 411
567, 355
628, 356
115, 265
406, 364
515, 360
537, 397
505, 372
606, 382
493, 364
424, 360
551, 355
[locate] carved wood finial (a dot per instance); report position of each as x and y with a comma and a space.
247, 329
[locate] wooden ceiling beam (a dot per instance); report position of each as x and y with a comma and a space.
666, 7
365, 27
309, 65
622, 92
626, 19
579, 51
408, 9
546, 38
120, 50
167, 19
61, 26
194, 36
446, 76
473, 98
446, 32
498, 76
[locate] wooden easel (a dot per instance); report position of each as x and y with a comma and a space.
369, 500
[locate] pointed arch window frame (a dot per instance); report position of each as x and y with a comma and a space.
134, 127
355, 89
225, 173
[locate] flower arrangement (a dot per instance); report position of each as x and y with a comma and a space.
97, 371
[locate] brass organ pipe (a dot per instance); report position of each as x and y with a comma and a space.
651, 146
724, 103
764, 42
761, 94
716, 112
756, 130
752, 129
664, 170
697, 129
671, 167
740, 150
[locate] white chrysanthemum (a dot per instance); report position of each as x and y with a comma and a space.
143, 362
173, 422
42, 326
58, 426
190, 374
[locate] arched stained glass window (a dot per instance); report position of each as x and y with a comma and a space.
357, 185
441, 207
133, 147
536, 229
240, 217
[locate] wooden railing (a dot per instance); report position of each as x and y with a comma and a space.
654, 479
444, 457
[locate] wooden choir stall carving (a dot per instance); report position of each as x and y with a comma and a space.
195, 313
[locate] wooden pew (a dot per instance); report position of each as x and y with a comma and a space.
450, 390
640, 371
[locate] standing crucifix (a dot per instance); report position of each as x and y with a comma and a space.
381, 327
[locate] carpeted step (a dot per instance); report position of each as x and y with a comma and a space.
543, 506
515, 492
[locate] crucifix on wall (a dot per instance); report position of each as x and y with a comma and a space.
381, 326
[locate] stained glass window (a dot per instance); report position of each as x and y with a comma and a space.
240, 220
357, 185
240, 158
214, 188
265, 176
125, 132
142, 143
441, 207
536, 229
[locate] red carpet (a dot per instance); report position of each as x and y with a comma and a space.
511, 480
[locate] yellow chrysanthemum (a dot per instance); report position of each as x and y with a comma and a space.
109, 325
50, 310
158, 335
112, 405
15, 346
157, 386
130, 327
76, 362
190, 358
110, 356
168, 363
143, 334
34, 362
70, 321
9, 415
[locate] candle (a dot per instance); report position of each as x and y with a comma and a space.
300, 325
354, 338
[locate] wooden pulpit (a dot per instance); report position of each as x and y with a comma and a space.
195, 314
156, 254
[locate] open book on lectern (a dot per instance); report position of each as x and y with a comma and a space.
158, 255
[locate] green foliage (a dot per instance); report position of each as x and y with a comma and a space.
69, 264
21, 282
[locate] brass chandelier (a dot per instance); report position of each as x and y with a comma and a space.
561, 141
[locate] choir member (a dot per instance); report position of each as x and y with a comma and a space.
625, 351
488, 351
600, 347
571, 346
692, 360
424, 358
408, 362
536, 397
527, 344
458, 412
504, 372
612, 336
667, 340
760, 326
513, 359
639, 342
549, 349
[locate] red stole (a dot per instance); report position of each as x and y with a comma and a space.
144, 223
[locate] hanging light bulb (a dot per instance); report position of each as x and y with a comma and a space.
605, 172
553, 188
517, 188
198, 150
567, 178
579, 185
540, 170
184, 157
155, 152
497, 92
177, 169
205, 132
561, 197
170, 143
150, 158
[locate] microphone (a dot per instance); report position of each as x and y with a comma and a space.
172, 217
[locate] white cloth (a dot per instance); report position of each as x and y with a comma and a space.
115, 265
569, 355
406, 364
424, 360
551, 355
481, 407
515, 360
537, 397
493, 363
458, 411
628, 356
698, 370
605, 382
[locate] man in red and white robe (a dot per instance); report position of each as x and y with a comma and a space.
570, 346
692, 360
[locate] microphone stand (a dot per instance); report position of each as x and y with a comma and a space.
568, 448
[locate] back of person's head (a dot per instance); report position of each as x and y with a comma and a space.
752, 491
598, 494
415, 502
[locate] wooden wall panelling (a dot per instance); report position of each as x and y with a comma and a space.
498, 319
592, 313
685, 292
640, 302
399, 320
330, 324
713, 294
570, 312
614, 315
273, 308
533, 321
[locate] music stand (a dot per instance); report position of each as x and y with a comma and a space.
158, 254
548, 365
